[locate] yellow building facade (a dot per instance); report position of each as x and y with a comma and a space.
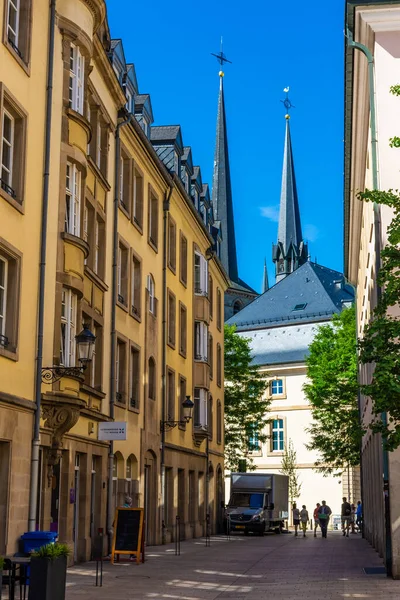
112, 233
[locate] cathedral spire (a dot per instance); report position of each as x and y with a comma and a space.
290, 251
265, 287
221, 189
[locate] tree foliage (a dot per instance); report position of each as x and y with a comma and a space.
245, 402
289, 468
332, 392
380, 344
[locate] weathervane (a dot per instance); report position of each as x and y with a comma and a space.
287, 103
221, 58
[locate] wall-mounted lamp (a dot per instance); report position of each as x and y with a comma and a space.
85, 341
187, 409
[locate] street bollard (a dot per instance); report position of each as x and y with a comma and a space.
208, 538
228, 527
98, 555
178, 536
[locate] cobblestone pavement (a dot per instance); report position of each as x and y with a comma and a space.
251, 568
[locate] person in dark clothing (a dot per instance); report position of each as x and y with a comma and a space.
346, 516
324, 512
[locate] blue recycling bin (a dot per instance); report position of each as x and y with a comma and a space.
32, 540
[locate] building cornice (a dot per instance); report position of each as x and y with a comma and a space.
98, 10
381, 19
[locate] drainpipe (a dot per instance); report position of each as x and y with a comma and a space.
110, 511
377, 227
33, 491
207, 494
166, 206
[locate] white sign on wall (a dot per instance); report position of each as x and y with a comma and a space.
112, 431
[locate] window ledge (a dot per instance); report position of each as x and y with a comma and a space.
137, 225
171, 345
277, 453
134, 410
172, 268
183, 353
10, 354
136, 315
124, 210
122, 306
93, 391
96, 279
14, 203
25, 66
153, 245
76, 241
96, 169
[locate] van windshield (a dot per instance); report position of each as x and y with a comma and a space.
246, 499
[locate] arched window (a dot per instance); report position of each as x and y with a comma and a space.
151, 288
237, 307
152, 378
210, 417
219, 422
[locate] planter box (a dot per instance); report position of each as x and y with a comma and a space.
48, 578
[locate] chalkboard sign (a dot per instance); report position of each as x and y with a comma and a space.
128, 532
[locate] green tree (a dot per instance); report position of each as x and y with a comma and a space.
245, 402
332, 391
380, 343
289, 468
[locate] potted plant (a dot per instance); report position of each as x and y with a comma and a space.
49, 572
1, 573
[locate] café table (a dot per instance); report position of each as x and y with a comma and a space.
11, 565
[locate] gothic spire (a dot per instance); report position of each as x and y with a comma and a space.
265, 287
222, 191
290, 251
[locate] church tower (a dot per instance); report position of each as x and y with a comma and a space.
239, 294
290, 251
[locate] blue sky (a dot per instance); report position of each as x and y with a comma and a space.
271, 45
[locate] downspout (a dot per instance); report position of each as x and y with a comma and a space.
207, 494
33, 491
166, 206
377, 227
110, 511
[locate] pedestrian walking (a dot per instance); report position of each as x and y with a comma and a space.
304, 519
296, 517
346, 516
324, 512
353, 519
316, 518
359, 515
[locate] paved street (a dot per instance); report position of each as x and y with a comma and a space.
282, 567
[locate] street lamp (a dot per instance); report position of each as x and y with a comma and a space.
187, 409
85, 341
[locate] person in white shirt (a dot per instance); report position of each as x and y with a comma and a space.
304, 519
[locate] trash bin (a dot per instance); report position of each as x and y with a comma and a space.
32, 540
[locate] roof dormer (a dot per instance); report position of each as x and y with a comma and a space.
187, 168
205, 205
196, 187
144, 112
167, 142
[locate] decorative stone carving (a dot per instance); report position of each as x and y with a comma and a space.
60, 415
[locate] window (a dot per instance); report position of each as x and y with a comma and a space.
153, 219
170, 395
211, 355
200, 274
137, 205
12, 149
17, 31
122, 274
151, 288
182, 398
219, 309
211, 295
219, 365
171, 319
277, 387
201, 341
99, 247
219, 422
253, 441
124, 180
72, 199
200, 407
278, 443
120, 371
68, 328
136, 278
183, 259
171, 244
76, 79
9, 298
299, 306
85, 233
182, 329
98, 145
134, 378
237, 307
152, 378
93, 374
210, 417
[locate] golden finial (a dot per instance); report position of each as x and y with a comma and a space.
287, 117
221, 73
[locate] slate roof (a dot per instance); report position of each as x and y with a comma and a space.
166, 133
311, 284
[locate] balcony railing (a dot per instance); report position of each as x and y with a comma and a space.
4, 341
7, 188
14, 47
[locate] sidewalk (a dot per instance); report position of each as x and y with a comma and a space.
251, 568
